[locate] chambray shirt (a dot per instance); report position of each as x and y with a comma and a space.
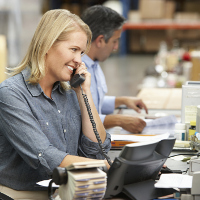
37, 132
104, 104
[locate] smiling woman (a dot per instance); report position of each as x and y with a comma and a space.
63, 57
50, 124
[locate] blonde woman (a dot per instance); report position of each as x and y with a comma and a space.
43, 123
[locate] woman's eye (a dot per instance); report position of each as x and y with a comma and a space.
73, 49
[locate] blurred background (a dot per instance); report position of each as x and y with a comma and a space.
159, 47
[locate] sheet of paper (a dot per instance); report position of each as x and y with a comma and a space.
171, 119
45, 183
154, 127
174, 181
136, 138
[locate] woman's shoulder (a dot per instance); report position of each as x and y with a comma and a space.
12, 82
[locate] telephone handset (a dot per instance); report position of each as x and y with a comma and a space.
76, 81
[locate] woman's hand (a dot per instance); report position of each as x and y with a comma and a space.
82, 70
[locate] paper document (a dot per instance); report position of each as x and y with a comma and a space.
138, 138
45, 183
174, 181
153, 127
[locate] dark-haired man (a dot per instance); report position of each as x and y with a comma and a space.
106, 26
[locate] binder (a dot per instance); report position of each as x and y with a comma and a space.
190, 101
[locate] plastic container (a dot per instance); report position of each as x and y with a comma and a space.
197, 134
180, 131
192, 129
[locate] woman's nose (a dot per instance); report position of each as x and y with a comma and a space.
77, 59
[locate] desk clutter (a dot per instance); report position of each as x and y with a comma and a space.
84, 181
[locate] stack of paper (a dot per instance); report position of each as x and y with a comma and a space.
174, 181
85, 183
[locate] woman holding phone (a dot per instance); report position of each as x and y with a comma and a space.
43, 123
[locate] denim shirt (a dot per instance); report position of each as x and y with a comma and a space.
104, 104
37, 132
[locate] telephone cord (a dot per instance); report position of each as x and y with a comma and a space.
94, 127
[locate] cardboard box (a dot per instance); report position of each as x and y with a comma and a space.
186, 17
195, 72
135, 41
170, 7
74, 8
152, 40
187, 34
152, 9
191, 6
134, 16
161, 98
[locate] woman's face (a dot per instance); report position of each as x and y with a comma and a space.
65, 56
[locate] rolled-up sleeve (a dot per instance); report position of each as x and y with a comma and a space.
88, 148
51, 158
108, 105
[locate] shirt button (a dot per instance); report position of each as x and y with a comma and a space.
40, 155
47, 123
59, 111
65, 130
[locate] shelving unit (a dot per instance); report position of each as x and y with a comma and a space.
145, 25
160, 26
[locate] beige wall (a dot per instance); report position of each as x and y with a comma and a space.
3, 58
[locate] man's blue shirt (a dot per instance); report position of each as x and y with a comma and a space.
37, 132
104, 104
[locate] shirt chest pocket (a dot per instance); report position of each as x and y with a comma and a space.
44, 124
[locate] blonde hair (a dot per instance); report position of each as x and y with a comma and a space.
54, 26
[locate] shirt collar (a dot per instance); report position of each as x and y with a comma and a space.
90, 63
36, 89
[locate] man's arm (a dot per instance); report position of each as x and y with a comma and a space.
131, 102
127, 122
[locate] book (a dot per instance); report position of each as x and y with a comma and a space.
85, 181
88, 164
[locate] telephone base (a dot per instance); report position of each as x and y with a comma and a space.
145, 190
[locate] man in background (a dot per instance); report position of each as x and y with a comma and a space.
106, 26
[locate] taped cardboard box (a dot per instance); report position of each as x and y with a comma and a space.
152, 9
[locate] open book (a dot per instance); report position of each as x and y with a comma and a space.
85, 181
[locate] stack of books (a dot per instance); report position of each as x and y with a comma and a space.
85, 181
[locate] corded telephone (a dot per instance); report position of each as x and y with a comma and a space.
60, 176
77, 80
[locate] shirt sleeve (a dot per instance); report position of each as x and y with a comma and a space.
92, 149
108, 105
102, 117
23, 132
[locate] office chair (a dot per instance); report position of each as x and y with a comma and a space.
5, 197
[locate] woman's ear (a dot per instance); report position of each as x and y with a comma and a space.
99, 41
